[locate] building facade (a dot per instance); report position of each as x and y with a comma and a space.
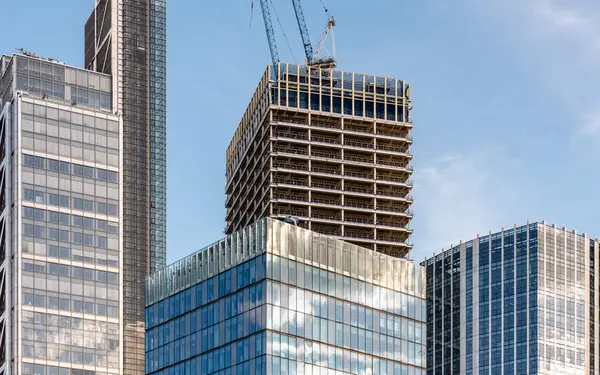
274, 298
520, 301
60, 220
329, 147
127, 39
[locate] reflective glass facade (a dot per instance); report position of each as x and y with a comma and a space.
60, 224
525, 297
127, 39
278, 299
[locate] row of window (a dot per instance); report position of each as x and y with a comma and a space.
207, 291
215, 336
325, 356
39, 299
70, 271
39, 320
346, 288
81, 96
70, 168
337, 104
87, 205
339, 311
68, 219
90, 340
74, 354
41, 112
63, 235
341, 335
61, 252
224, 357
35, 369
227, 307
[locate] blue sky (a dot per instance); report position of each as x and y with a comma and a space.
505, 96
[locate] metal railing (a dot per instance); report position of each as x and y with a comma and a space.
359, 234
289, 121
393, 163
397, 134
358, 204
325, 139
351, 173
325, 200
323, 124
358, 188
291, 134
325, 185
356, 143
291, 150
326, 230
325, 169
291, 165
325, 154
392, 147
391, 237
359, 159
291, 181
358, 219
358, 128
394, 178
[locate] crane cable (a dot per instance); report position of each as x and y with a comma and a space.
251, 13
324, 7
283, 31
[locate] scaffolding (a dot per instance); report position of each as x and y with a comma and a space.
346, 173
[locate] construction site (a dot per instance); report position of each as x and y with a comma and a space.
327, 147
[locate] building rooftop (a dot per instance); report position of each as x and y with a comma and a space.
292, 242
515, 229
53, 80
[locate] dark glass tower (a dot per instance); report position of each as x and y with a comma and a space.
520, 301
127, 39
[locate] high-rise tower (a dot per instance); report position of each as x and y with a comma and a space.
520, 301
275, 299
60, 220
329, 147
127, 39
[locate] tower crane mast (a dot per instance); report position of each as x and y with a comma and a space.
264, 5
308, 50
311, 59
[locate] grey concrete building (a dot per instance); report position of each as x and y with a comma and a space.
329, 147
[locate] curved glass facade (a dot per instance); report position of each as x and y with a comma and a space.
525, 297
279, 299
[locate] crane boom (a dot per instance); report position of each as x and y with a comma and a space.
264, 5
308, 50
327, 62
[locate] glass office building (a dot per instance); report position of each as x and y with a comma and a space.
127, 39
274, 298
60, 220
520, 301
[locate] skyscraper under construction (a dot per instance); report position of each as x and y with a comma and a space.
329, 147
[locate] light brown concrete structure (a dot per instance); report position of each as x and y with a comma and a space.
329, 147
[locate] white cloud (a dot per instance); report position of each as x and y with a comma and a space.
563, 38
458, 196
591, 125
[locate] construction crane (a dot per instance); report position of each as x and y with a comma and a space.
308, 50
327, 62
311, 59
264, 5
